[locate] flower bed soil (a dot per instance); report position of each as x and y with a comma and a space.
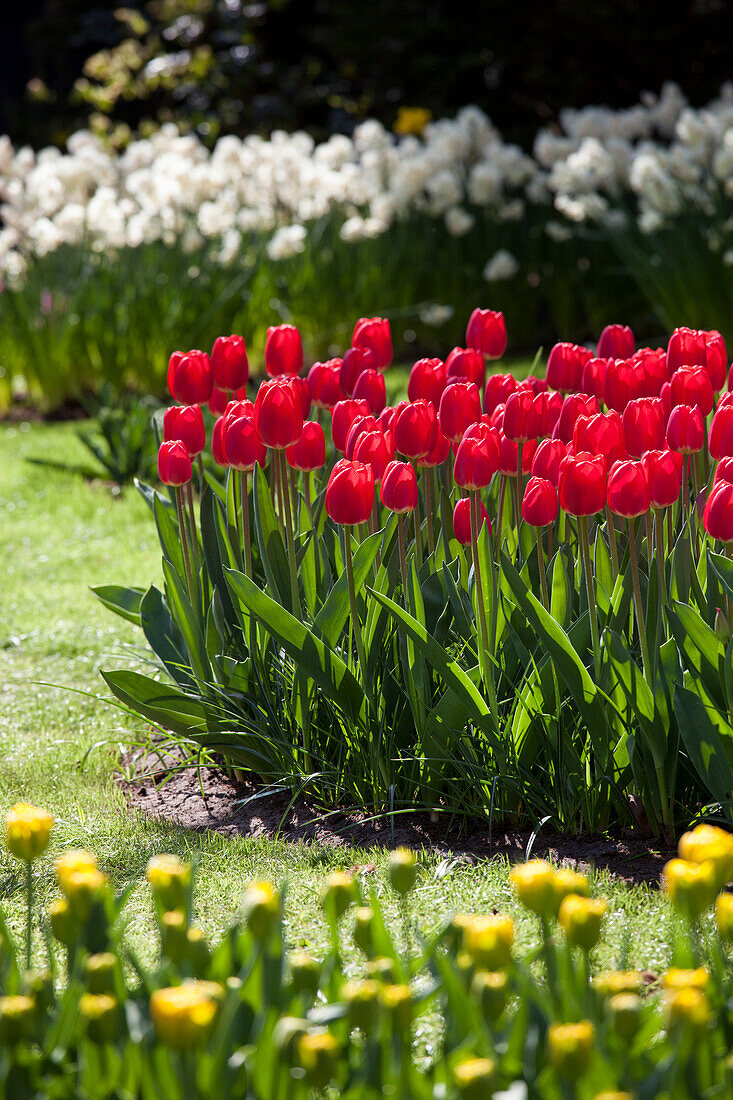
209, 799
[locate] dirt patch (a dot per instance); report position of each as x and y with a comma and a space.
209, 799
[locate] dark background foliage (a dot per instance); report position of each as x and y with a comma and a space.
238, 66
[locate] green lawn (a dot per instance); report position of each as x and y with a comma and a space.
58, 748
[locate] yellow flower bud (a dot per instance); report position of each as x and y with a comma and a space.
534, 884
83, 889
397, 1000
27, 831
570, 1047
363, 1001
183, 1015
71, 862
363, 939
581, 919
624, 1014
101, 1016
488, 940
686, 979
101, 972
724, 916
411, 120
691, 886
613, 1096
305, 972
489, 987
475, 1078
64, 924
318, 1053
688, 1008
338, 894
618, 981
567, 882
402, 870
170, 879
17, 1019
261, 908
381, 969
708, 842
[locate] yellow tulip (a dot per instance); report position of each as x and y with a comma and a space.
28, 831
183, 1014
570, 1047
534, 883
581, 919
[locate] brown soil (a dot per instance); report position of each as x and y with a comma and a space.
164, 789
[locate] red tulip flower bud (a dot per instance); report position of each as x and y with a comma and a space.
309, 453
427, 381
279, 413
718, 514
399, 487
373, 334
664, 475
602, 434
685, 429
462, 520
343, 414
509, 456
174, 463
486, 332
574, 406
465, 365
477, 460
218, 401
371, 388
720, 436
540, 504
547, 459
686, 348
644, 426
460, 406
724, 471
565, 367
242, 445
439, 453
717, 363
350, 492
523, 416
498, 388
235, 409
582, 484
190, 380
620, 384
652, 370
354, 363
376, 449
628, 489
730, 379
229, 363
359, 425
593, 379
616, 342
416, 429
185, 422
217, 443
324, 383
692, 386
283, 351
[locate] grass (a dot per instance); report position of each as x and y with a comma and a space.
59, 748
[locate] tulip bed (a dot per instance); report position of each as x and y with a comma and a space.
552, 644
246, 1017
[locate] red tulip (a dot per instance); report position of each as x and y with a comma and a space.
283, 351
229, 363
373, 333
616, 342
465, 365
236, 409
540, 503
460, 406
692, 386
359, 425
416, 429
462, 520
730, 379
486, 332
685, 429
621, 384
717, 363
350, 492
399, 487
565, 367
718, 514
533, 383
242, 445
628, 489
343, 414
498, 388
217, 443
552, 412
189, 377
698, 348
724, 471
574, 406
547, 459
522, 416
174, 463
582, 484
279, 413
300, 385
644, 426
376, 448
324, 383
371, 388
652, 371
309, 453
354, 362
664, 475
720, 436
477, 460
602, 434
427, 381
185, 422
593, 379
220, 399
509, 456
439, 453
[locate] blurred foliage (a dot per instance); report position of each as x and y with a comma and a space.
233, 66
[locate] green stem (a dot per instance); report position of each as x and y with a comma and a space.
592, 609
29, 913
612, 542
659, 555
184, 544
244, 496
500, 513
285, 494
634, 560
403, 554
541, 565
475, 504
193, 529
352, 601
429, 507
